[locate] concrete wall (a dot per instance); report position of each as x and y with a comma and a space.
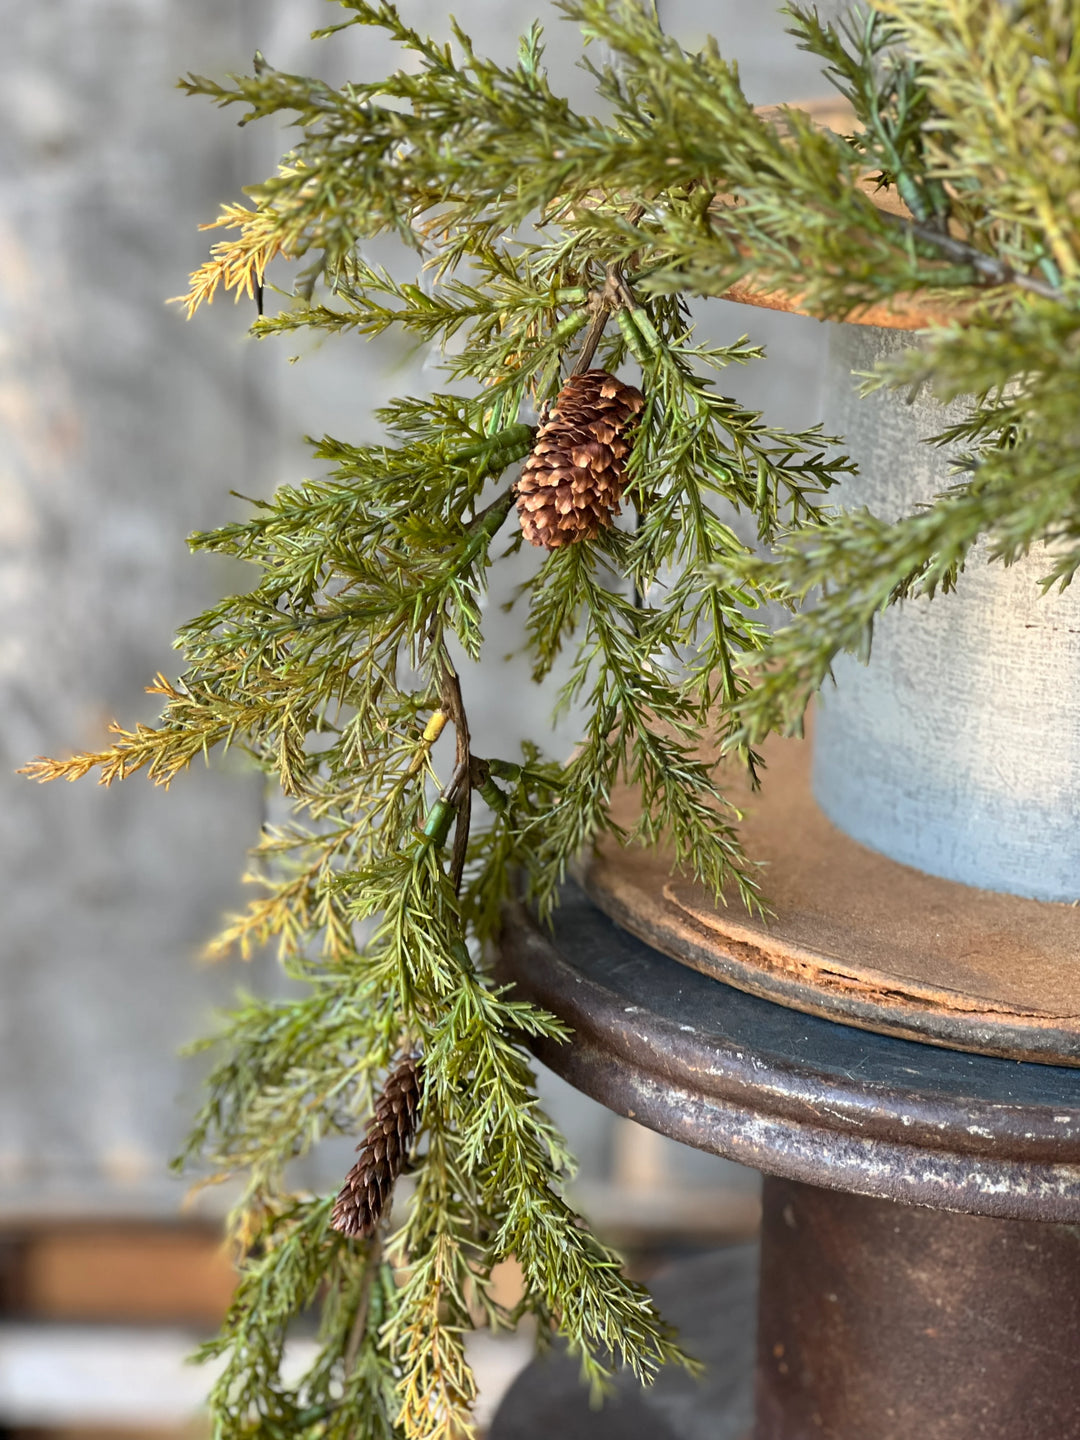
122, 429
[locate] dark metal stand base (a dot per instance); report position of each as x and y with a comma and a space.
712, 1301
920, 1271
890, 1322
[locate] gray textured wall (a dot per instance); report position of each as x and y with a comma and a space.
121, 429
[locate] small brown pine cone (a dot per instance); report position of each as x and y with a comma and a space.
572, 482
384, 1150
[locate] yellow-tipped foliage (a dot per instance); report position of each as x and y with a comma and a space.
194, 723
237, 264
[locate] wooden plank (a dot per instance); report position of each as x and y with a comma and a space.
138, 1273
108, 1432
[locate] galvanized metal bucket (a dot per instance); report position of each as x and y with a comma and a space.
956, 749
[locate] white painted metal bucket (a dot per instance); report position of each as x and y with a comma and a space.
957, 748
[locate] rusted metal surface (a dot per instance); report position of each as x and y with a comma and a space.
791, 1094
876, 1321
887, 1322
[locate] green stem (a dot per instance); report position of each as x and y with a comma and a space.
489, 521
992, 269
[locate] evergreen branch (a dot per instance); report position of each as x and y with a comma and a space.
862, 564
884, 87
202, 721
1005, 109
236, 265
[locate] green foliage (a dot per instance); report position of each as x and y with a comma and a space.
983, 105
336, 671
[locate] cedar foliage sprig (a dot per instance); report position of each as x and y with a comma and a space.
335, 671
979, 136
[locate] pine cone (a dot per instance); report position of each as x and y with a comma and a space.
572, 482
369, 1183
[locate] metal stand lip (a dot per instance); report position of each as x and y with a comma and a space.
792, 1094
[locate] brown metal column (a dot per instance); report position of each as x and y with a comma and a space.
881, 1321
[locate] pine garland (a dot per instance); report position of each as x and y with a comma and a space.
335, 671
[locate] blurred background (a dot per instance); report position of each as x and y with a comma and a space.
122, 429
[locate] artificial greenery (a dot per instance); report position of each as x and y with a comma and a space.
531, 226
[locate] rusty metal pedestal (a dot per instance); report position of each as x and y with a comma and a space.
920, 1257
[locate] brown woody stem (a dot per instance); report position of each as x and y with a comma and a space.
359, 1326
603, 302
452, 703
997, 272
